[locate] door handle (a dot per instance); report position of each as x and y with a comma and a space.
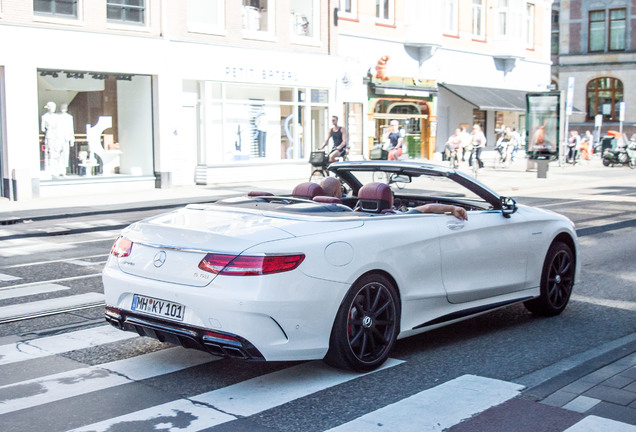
454, 226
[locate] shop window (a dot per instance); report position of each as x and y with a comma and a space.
478, 19
258, 16
305, 18
385, 11
264, 122
126, 11
94, 124
479, 118
61, 8
206, 16
603, 97
451, 17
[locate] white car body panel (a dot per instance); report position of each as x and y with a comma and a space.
441, 268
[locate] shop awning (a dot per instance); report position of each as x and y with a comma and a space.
492, 99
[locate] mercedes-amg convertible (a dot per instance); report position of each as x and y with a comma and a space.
307, 276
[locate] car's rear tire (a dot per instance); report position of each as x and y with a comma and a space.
366, 325
557, 281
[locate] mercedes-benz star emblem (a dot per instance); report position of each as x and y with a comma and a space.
159, 259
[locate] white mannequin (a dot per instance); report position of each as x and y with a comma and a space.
67, 135
50, 127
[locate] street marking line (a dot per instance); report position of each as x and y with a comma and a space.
8, 278
616, 304
242, 399
52, 388
460, 398
31, 290
66, 342
72, 278
599, 424
51, 305
54, 261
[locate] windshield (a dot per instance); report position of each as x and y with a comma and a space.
422, 186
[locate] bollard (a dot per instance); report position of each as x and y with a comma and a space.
542, 168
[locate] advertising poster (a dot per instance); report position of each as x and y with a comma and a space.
543, 121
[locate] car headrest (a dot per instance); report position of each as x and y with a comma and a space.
375, 197
259, 193
327, 199
307, 190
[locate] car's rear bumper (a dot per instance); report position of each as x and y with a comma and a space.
216, 343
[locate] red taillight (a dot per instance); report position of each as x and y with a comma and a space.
232, 265
122, 247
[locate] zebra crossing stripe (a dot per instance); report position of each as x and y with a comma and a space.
437, 408
31, 290
239, 400
51, 345
35, 392
8, 278
42, 306
599, 424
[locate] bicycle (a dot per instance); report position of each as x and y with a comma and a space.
320, 161
453, 160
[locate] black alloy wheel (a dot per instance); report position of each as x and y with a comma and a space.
366, 325
557, 281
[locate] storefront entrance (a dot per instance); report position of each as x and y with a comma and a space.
414, 117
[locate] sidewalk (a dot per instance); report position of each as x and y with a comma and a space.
601, 382
515, 181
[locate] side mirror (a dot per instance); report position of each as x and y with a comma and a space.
508, 206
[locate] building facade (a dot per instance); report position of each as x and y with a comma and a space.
594, 44
102, 94
437, 65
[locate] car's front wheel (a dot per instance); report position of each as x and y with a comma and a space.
557, 281
366, 325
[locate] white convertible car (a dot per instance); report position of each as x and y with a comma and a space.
304, 276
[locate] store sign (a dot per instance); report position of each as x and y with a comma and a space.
255, 74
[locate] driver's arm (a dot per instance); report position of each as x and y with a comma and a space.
458, 212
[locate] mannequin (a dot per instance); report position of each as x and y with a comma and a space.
67, 136
50, 123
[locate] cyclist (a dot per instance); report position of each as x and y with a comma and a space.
339, 136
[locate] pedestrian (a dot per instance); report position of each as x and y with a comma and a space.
516, 143
465, 142
452, 148
338, 135
478, 142
395, 140
574, 143
587, 145
504, 145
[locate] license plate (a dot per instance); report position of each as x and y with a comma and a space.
158, 307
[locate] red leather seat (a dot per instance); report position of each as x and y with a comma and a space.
375, 198
307, 190
327, 199
259, 193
